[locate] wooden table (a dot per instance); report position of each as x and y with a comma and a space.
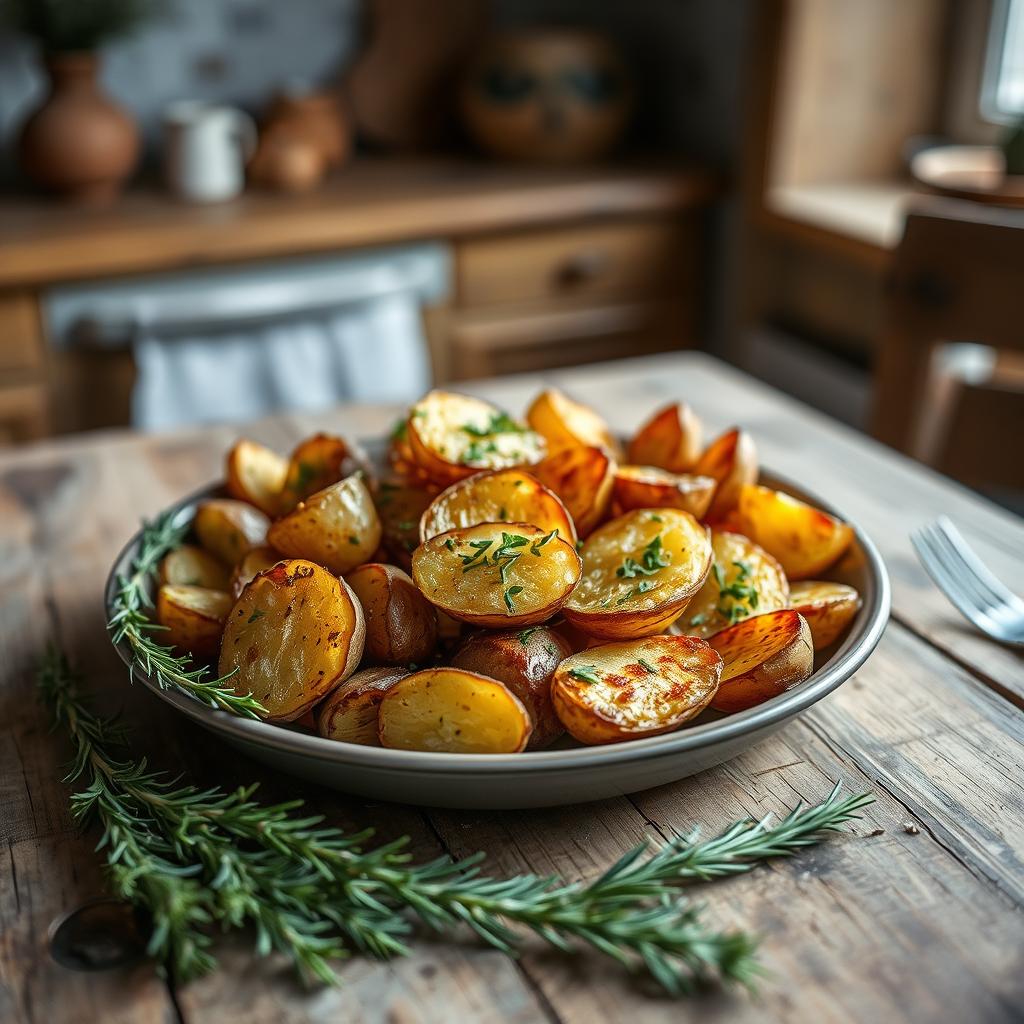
914, 915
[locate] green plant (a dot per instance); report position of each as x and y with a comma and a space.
68, 26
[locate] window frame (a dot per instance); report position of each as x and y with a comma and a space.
988, 106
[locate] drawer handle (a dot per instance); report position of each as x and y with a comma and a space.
581, 268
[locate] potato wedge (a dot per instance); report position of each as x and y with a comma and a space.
671, 440
349, 713
828, 608
639, 572
251, 563
256, 474
763, 656
337, 527
501, 496
805, 540
401, 624
316, 463
524, 660
626, 691
564, 423
744, 580
732, 460
295, 633
452, 710
192, 617
229, 528
400, 507
193, 567
650, 487
454, 436
583, 479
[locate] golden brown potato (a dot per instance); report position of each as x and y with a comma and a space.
193, 567
650, 487
626, 691
828, 608
671, 439
564, 423
582, 478
192, 617
349, 713
732, 460
524, 660
764, 656
744, 580
639, 572
400, 508
229, 528
449, 709
454, 436
295, 633
497, 574
318, 462
501, 496
805, 540
256, 474
253, 562
401, 624
337, 527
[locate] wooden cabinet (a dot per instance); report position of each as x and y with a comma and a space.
24, 402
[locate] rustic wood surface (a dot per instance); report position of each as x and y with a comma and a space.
915, 914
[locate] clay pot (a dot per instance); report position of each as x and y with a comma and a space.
79, 142
287, 161
317, 116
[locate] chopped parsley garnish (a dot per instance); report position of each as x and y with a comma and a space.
699, 619
509, 594
499, 423
505, 555
641, 588
479, 450
305, 473
399, 430
353, 539
524, 636
655, 518
450, 543
585, 674
646, 666
502, 513
258, 613
653, 559
739, 599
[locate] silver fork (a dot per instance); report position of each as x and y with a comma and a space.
962, 576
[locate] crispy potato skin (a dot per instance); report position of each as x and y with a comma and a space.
501, 496
401, 624
229, 528
650, 487
251, 563
296, 632
337, 527
452, 710
828, 607
193, 567
764, 656
671, 440
524, 660
349, 713
316, 463
400, 507
625, 691
564, 423
193, 618
256, 474
545, 574
732, 460
583, 479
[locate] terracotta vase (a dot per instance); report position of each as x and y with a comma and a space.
78, 143
319, 116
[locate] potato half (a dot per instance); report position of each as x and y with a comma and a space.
400, 507
229, 528
671, 439
732, 460
316, 463
294, 635
828, 608
502, 496
625, 691
193, 567
251, 563
256, 474
583, 479
763, 656
192, 617
564, 423
805, 540
650, 487
497, 574
452, 710
349, 713
639, 572
337, 527
401, 624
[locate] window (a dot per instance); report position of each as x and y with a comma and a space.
1002, 91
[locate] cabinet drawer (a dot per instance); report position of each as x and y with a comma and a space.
21, 340
623, 258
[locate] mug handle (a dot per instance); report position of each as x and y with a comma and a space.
245, 127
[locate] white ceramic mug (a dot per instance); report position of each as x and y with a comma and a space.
205, 150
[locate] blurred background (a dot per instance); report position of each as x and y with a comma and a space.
212, 210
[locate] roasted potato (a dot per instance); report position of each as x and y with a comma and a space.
763, 656
583, 479
501, 496
454, 436
650, 487
192, 617
805, 540
295, 633
229, 528
193, 567
318, 462
450, 709
349, 713
564, 423
497, 574
744, 580
251, 563
828, 608
639, 572
401, 624
524, 660
625, 691
671, 440
732, 460
256, 474
337, 527
400, 508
